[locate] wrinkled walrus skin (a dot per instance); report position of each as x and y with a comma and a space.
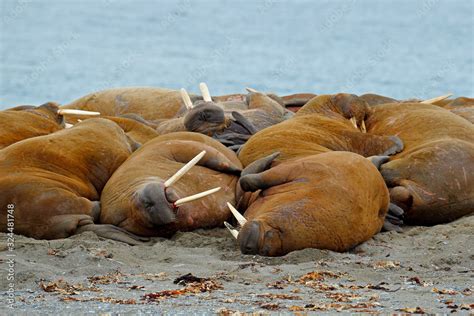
150, 103
341, 203
54, 181
136, 200
432, 179
28, 121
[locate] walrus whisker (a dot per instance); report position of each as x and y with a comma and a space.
440, 98
184, 169
354, 122
195, 197
239, 217
77, 112
232, 230
205, 92
251, 90
186, 99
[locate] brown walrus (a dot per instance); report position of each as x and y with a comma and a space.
233, 127
311, 133
334, 200
432, 179
54, 181
29, 121
143, 196
150, 103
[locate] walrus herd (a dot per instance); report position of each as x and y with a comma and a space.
282, 173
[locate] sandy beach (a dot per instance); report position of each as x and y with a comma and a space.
423, 269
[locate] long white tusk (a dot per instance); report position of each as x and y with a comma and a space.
232, 230
205, 92
195, 196
77, 112
67, 125
240, 218
440, 98
186, 99
251, 90
354, 122
184, 169
363, 128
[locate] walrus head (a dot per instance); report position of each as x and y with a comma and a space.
256, 237
352, 108
156, 203
205, 118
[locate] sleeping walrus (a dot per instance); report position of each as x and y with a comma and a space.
309, 133
147, 194
334, 200
153, 104
54, 181
432, 179
28, 121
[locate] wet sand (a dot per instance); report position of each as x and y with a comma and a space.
423, 269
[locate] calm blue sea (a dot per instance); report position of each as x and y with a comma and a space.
59, 50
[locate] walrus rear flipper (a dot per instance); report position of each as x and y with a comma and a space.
244, 122
114, 233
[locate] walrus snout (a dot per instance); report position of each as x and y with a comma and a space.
154, 202
257, 238
249, 237
204, 117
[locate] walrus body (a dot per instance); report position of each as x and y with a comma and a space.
150, 103
136, 199
432, 179
28, 121
310, 134
138, 131
54, 181
333, 200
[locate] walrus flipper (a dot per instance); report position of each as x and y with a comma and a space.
114, 233
244, 122
260, 165
213, 159
264, 180
375, 145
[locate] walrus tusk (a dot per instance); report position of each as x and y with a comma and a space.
362, 127
184, 169
186, 99
440, 98
205, 92
77, 112
251, 90
195, 196
239, 217
354, 122
67, 125
232, 230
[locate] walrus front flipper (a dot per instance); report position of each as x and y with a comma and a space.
114, 233
378, 160
213, 159
375, 145
260, 165
267, 179
244, 122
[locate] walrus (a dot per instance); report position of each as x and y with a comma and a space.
28, 121
462, 106
311, 133
333, 200
146, 195
53, 182
432, 179
153, 104
234, 127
